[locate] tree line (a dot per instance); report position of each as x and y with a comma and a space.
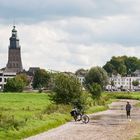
66, 87
122, 65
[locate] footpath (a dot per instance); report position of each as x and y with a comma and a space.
111, 124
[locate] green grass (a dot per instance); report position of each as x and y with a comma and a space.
122, 95
24, 114
96, 109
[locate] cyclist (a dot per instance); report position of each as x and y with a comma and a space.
74, 113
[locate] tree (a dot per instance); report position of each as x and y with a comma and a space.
67, 89
96, 75
41, 79
15, 84
122, 64
24, 78
135, 83
109, 68
95, 90
81, 72
132, 64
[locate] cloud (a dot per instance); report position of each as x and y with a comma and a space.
59, 46
34, 10
67, 35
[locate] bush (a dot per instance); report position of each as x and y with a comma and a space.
15, 84
67, 89
96, 90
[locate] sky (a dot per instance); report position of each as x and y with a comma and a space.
66, 35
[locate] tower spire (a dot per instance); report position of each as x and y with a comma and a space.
14, 23
14, 56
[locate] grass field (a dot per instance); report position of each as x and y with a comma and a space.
26, 114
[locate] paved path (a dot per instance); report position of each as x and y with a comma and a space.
107, 125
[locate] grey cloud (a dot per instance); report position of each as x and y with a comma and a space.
35, 10
118, 30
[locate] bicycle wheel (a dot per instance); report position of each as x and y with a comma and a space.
85, 119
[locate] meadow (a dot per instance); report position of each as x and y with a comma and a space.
26, 114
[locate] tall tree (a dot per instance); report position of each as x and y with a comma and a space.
24, 78
132, 63
81, 72
122, 64
96, 75
67, 89
41, 79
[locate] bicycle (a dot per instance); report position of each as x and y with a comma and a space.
80, 117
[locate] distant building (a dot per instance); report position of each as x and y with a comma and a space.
4, 76
137, 73
14, 54
80, 74
123, 83
32, 71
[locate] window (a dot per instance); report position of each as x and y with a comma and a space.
5, 80
0, 79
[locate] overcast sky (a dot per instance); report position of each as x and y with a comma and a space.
66, 35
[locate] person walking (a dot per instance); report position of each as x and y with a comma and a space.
128, 109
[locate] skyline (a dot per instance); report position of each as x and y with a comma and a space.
66, 36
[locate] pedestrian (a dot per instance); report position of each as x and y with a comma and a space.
128, 109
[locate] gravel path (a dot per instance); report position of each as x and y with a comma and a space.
107, 125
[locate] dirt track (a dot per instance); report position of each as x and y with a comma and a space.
107, 125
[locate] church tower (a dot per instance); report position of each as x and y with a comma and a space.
14, 55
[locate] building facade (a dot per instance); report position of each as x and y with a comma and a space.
123, 83
14, 54
4, 76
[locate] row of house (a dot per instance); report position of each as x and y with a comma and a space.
118, 82
123, 83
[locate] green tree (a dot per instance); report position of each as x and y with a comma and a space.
81, 72
15, 84
119, 66
109, 68
122, 65
67, 89
135, 83
41, 79
24, 78
96, 90
96, 75
132, 64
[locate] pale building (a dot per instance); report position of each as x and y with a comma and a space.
124, 83
4, 76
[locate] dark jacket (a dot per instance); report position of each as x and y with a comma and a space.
128, 107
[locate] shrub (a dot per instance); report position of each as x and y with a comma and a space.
67, 89
96, 90
15, 84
